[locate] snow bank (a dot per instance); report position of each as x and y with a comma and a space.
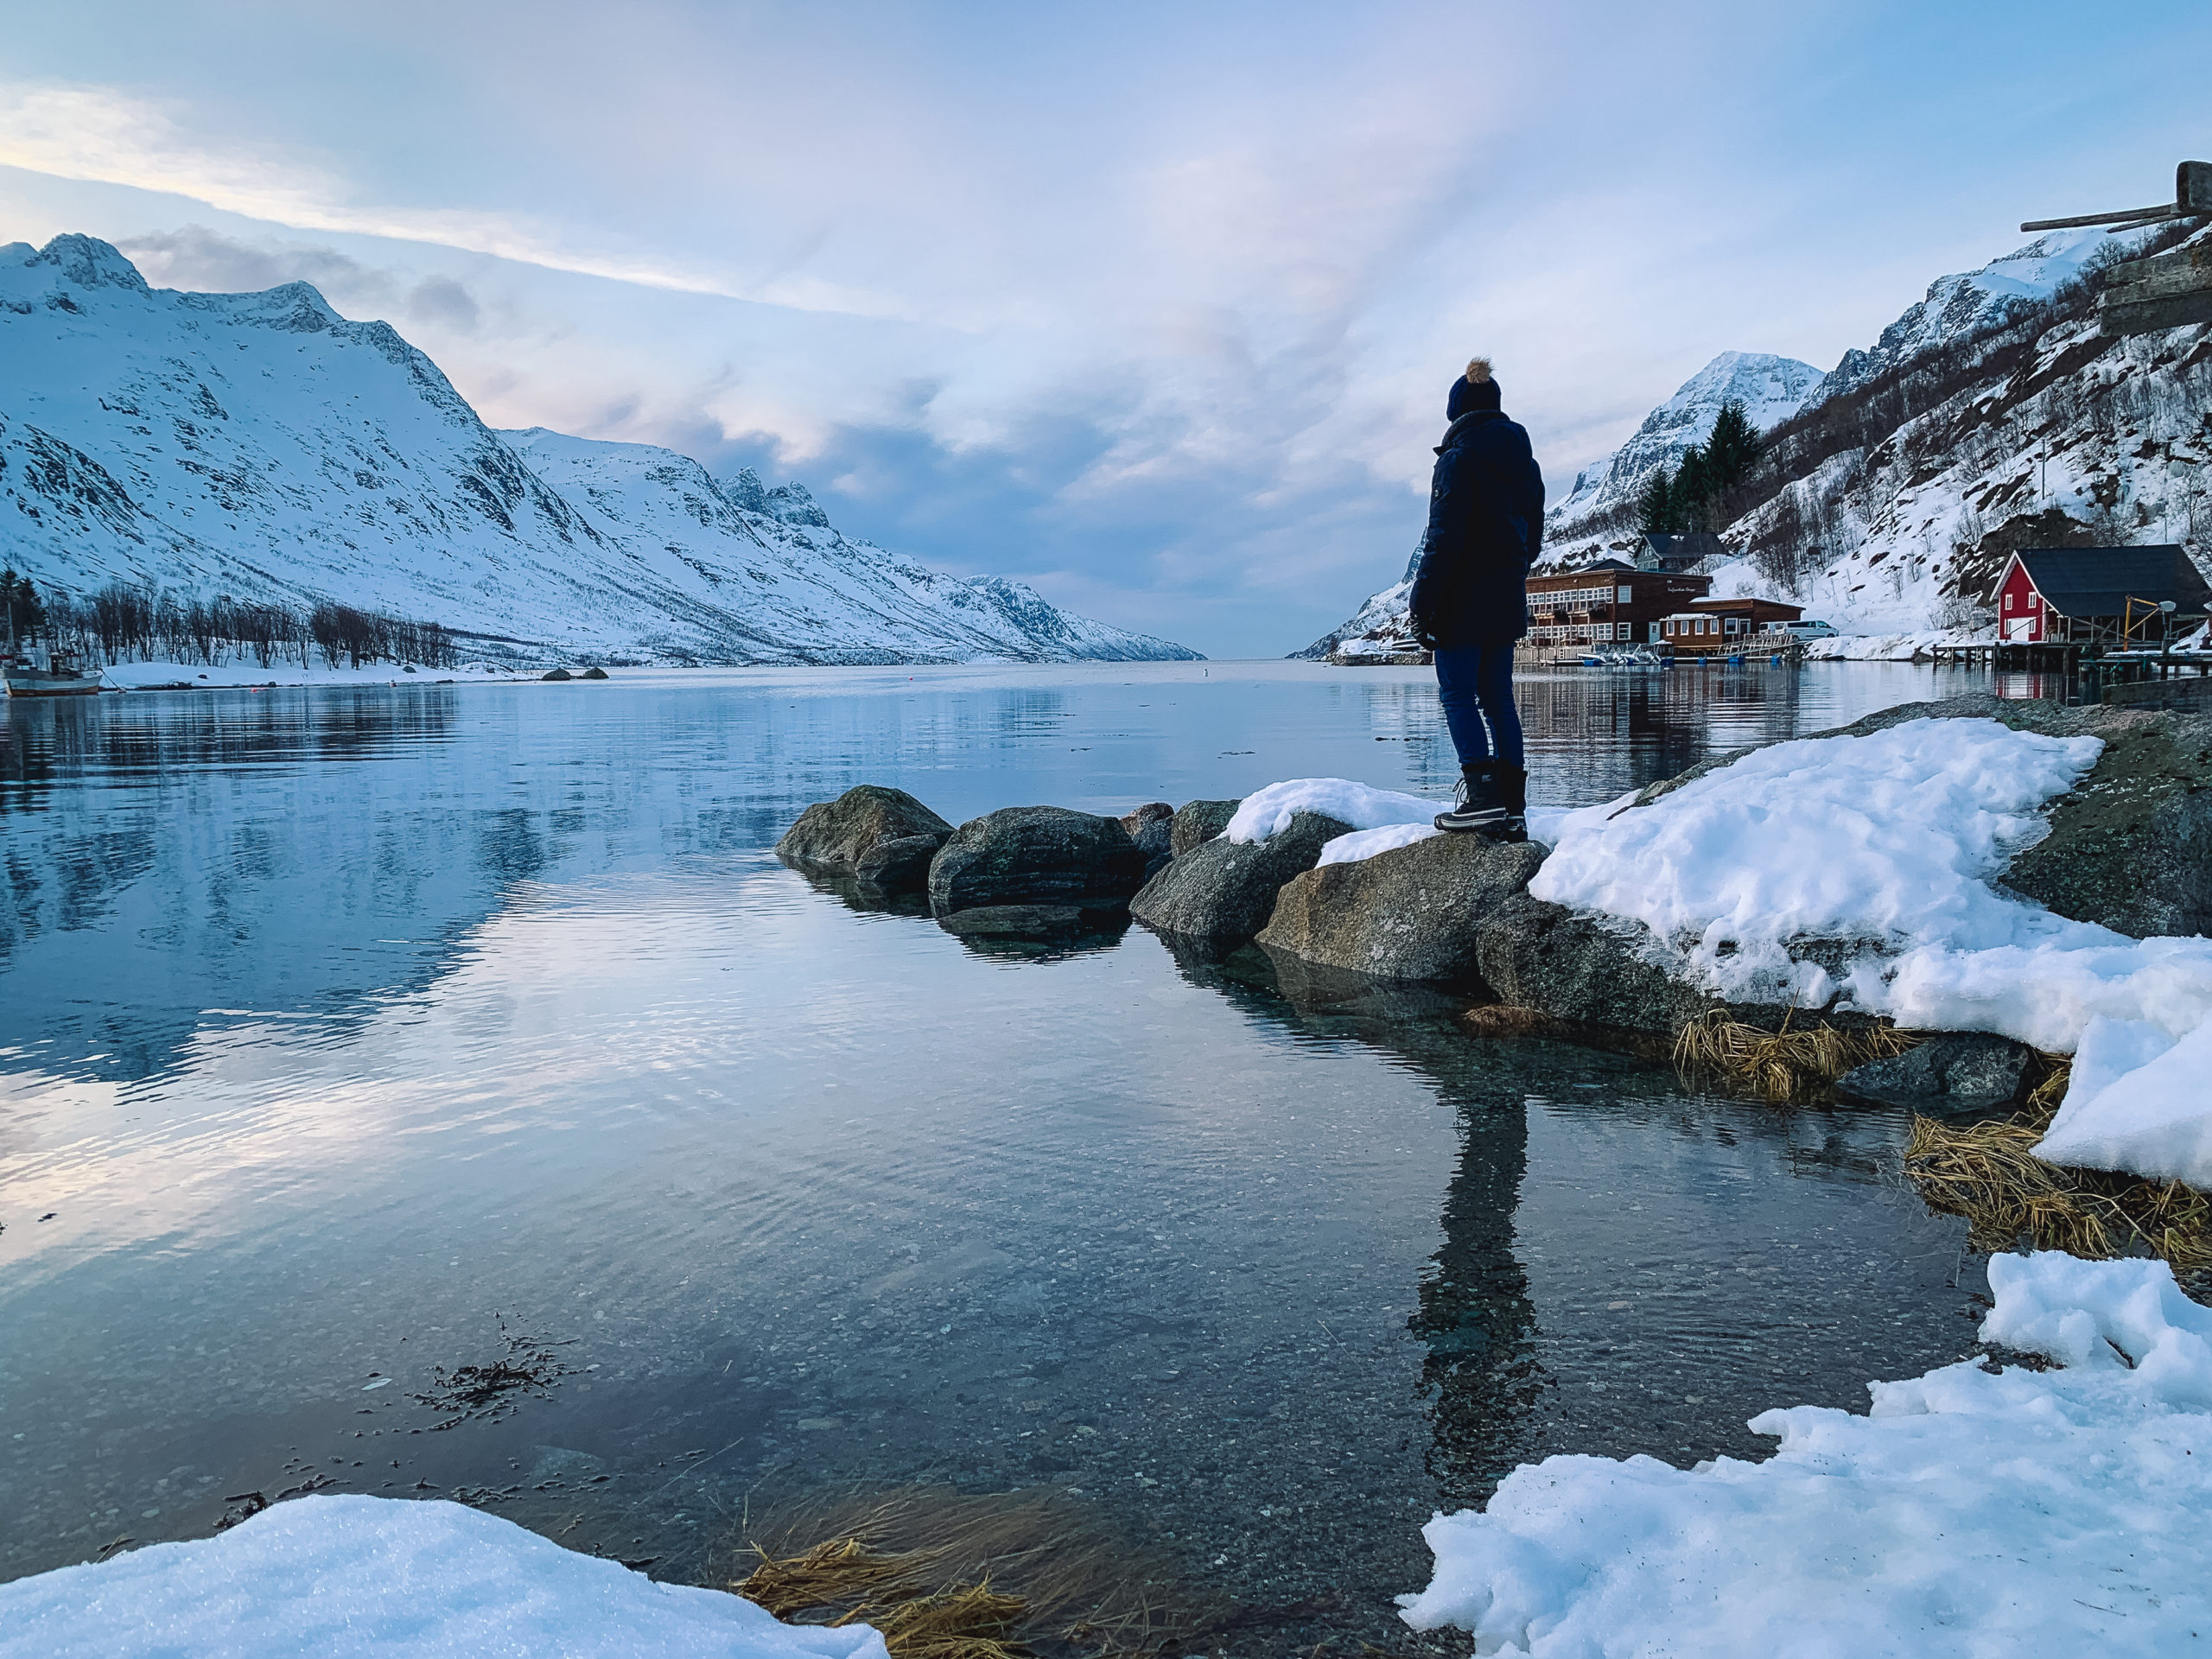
1268, 811
1365, 843
2139, 1100
1893, 840
339, 1576
1969, 1513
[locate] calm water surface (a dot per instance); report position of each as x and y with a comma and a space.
348, 1033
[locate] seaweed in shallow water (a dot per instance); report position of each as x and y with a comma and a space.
527, 1368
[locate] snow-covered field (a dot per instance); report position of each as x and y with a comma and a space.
337, 1577
1969, 1514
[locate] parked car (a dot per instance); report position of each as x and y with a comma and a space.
1807, 628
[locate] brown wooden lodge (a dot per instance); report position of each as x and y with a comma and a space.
1613, 603
1608, 603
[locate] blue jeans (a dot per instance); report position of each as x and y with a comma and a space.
1475, 685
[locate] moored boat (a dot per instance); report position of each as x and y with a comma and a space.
57, 677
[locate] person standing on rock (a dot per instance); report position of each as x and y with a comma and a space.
1471, 599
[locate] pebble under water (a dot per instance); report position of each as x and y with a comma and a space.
353, 1039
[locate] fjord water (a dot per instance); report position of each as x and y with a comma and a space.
348, 1033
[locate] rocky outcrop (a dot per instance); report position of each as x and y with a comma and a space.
882, 836
2130, 846
1151, 828
1953, 1071
1413, 912
1033, 921
1222, 891
1197, 822
1544, 956
1045, 855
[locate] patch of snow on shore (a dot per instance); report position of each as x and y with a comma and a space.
1969, 1513
1269, 811
1890, 843
342, 1576
1891, 838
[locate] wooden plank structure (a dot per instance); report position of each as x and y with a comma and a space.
2167, 290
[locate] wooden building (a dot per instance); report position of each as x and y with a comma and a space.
1712, 626
1676, 553
2099, 595
1608, 602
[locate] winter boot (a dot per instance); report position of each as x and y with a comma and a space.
1480, 802
1512, 821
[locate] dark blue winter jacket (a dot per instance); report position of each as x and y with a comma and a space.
1485, 523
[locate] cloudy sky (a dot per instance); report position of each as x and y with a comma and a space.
1155, 306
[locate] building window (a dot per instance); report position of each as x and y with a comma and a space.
2008, 602
1624, 631
1621, 595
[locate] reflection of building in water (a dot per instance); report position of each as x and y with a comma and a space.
1481, 1376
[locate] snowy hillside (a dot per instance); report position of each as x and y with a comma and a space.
260, 446
1992, 415
1771, 388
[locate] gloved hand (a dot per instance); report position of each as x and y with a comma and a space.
1424, 636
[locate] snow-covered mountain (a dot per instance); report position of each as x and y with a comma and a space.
262, 447
1771, 388
1992, 415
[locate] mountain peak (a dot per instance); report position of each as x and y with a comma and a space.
87, 262
1771, 389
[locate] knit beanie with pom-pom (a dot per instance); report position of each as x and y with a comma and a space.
1473, 390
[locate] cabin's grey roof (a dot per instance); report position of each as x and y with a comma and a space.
2088, 582
1693, 544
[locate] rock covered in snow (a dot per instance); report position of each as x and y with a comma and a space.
1973, 1511
261, 446
367, 1578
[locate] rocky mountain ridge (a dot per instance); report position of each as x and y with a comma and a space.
260, 446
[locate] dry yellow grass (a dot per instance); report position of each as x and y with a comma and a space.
1780, 1065
959, 1575
1989, 1172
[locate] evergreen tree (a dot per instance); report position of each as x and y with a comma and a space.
1731, 450
1693, 489
1654, 505
26, 610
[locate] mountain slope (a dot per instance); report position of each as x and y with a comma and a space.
1990, 416
260, 446
1771, 388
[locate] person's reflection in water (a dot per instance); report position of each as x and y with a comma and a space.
1481, 1376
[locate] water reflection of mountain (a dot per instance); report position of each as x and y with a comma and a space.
173, 859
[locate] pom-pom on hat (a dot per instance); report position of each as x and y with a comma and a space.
1473, 390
